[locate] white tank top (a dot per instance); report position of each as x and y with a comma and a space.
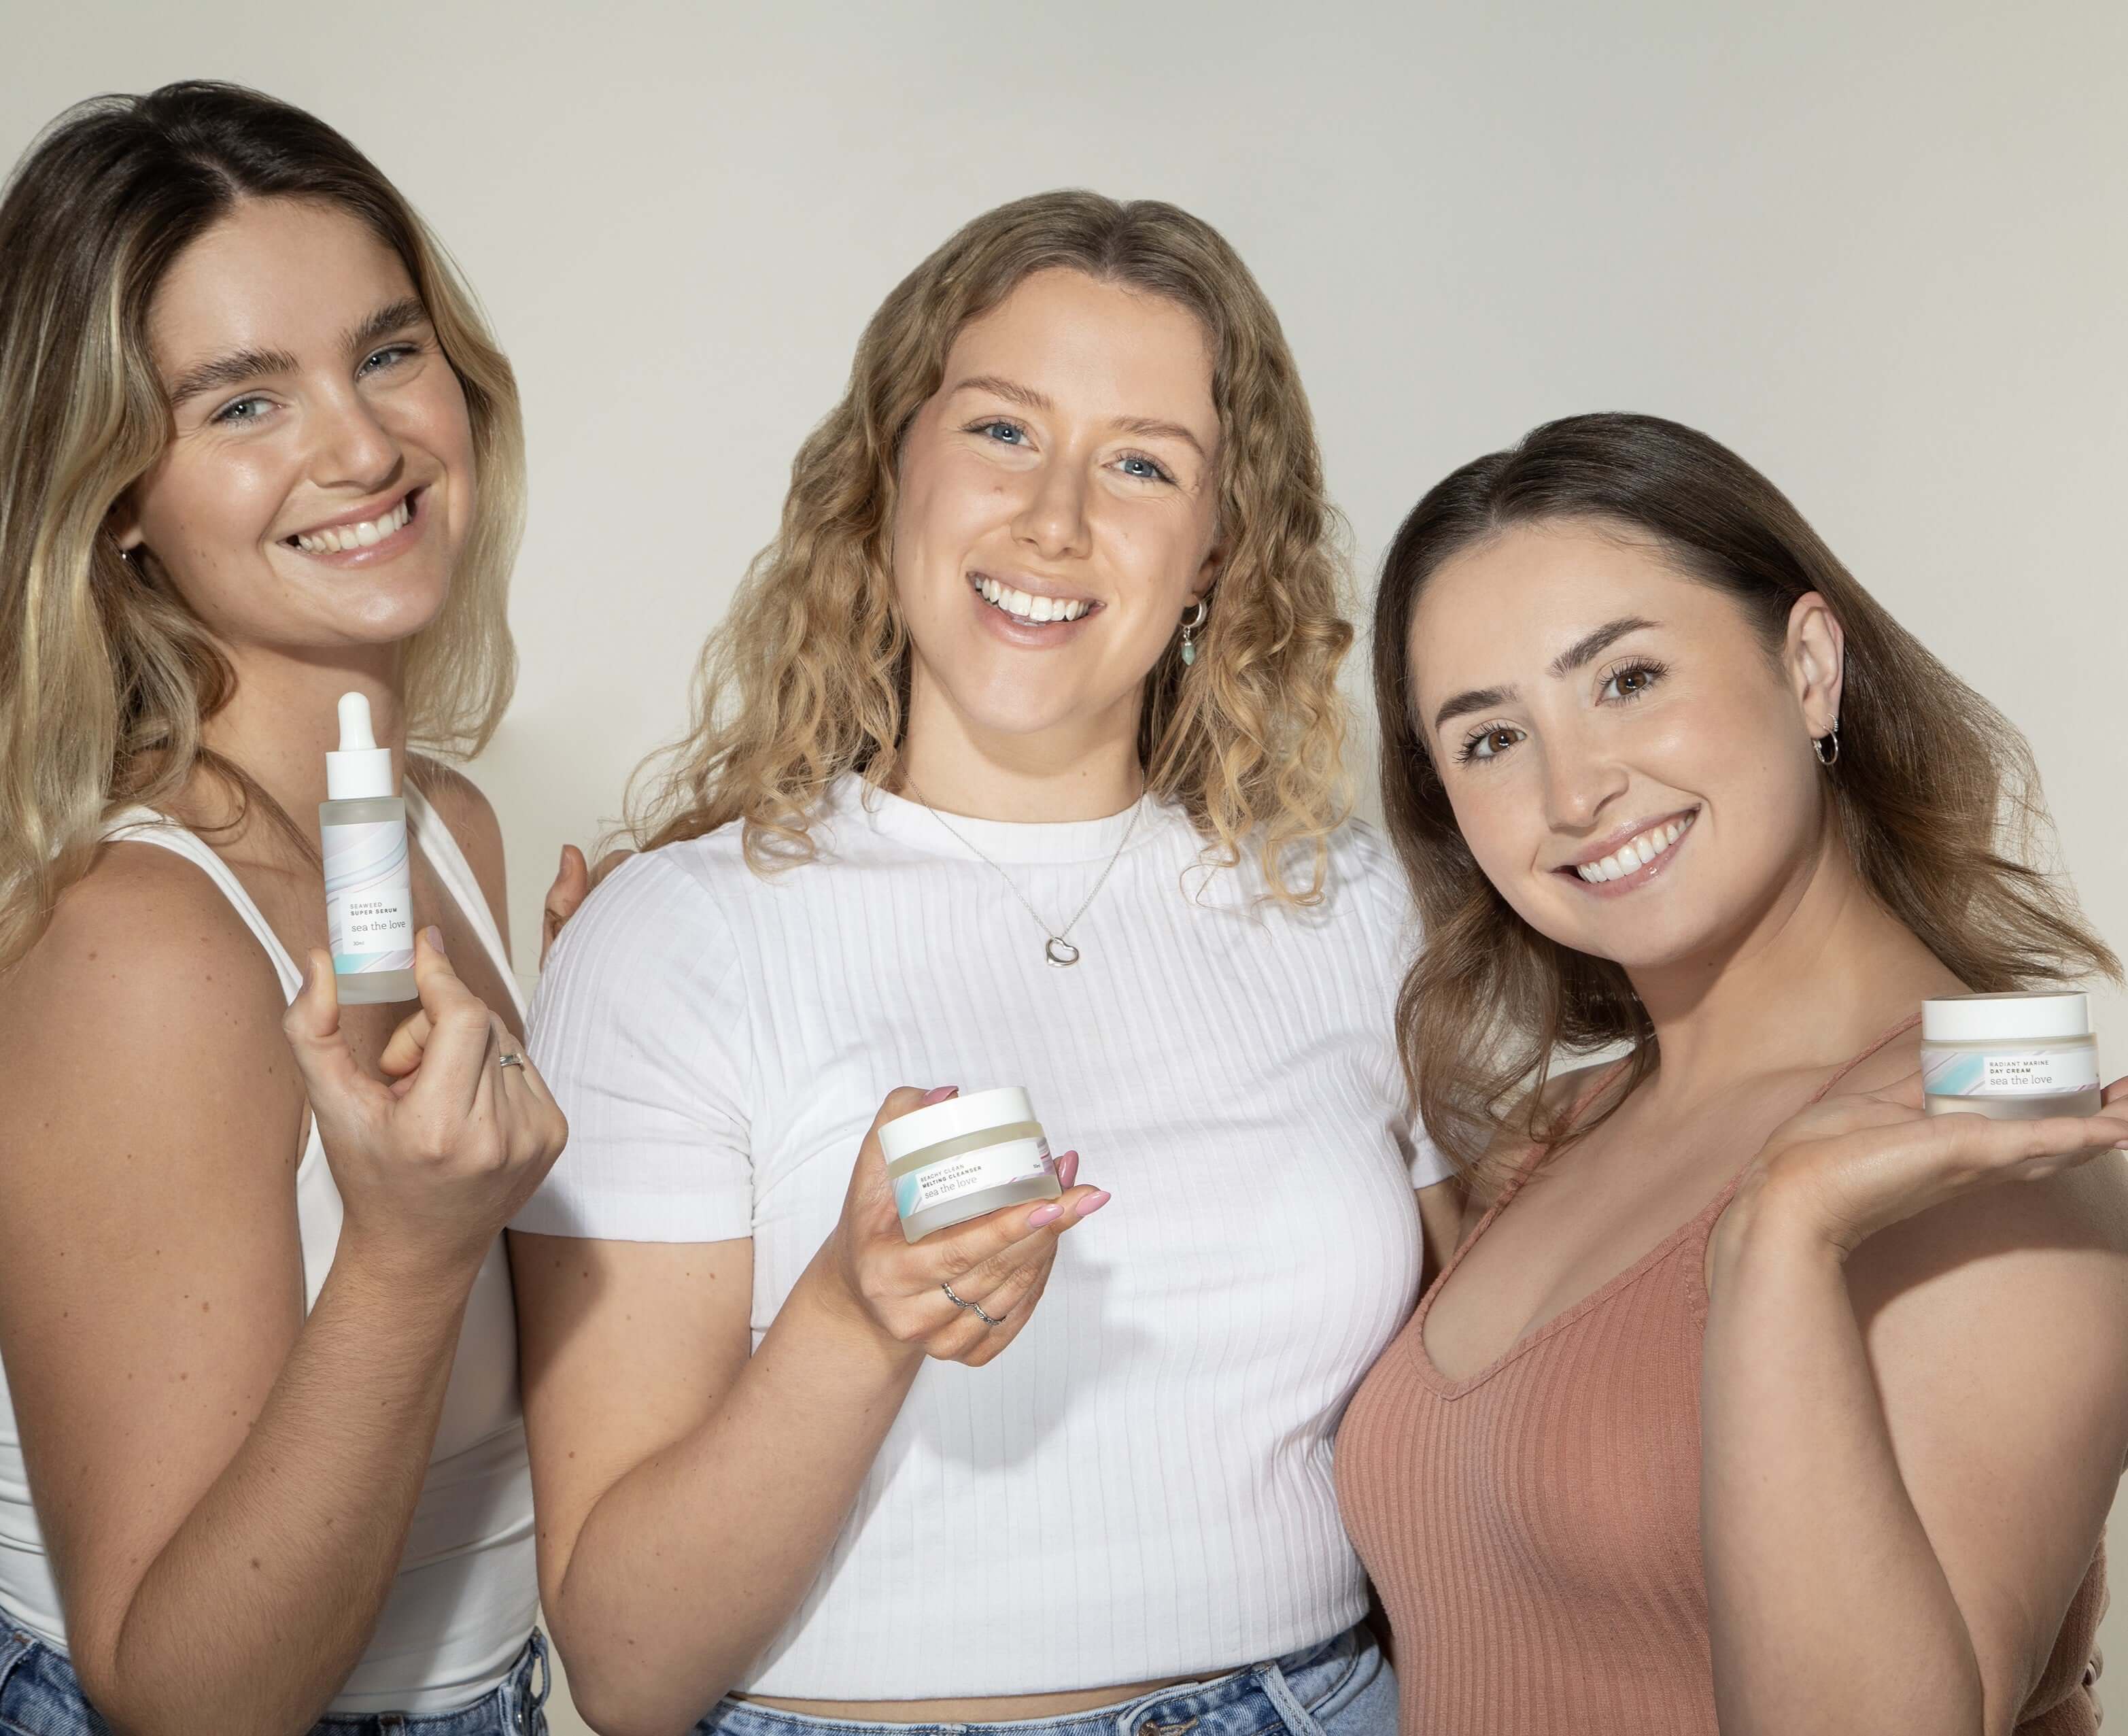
466, 1596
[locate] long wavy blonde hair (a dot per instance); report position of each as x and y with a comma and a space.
807, 678
107, 676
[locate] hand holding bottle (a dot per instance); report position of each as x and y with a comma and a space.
431, 1165
997, 1265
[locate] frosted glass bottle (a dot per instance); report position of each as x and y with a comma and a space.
369, 893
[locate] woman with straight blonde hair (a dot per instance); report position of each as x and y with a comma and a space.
261, 1456
1016, 765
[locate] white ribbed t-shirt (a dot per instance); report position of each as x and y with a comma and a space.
1141, 1486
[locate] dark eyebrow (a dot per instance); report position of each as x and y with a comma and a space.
1582, 652
1589, 647
1476, 699
1151, 428
239, 366
233, 370
385, 320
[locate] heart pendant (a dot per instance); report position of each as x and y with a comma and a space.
1060, 952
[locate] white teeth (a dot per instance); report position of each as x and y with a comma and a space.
1025, 608
1635, 853
338, 538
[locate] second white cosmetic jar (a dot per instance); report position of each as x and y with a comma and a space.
958, 1159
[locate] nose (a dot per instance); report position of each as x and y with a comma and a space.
354, 450
1581, 781
1052, 519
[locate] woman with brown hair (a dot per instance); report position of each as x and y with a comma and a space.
1754, 1400
261, 1455
1017, 764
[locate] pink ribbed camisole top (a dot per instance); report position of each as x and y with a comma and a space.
1533, 1531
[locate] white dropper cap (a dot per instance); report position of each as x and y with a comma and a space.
360, 768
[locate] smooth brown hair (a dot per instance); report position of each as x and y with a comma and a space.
106, 676
1935, 792
807, 678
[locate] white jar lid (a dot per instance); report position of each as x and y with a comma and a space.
977, 1113
2005, 1017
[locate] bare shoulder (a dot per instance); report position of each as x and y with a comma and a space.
471, 818
144, 940
2059, 1241
460, 805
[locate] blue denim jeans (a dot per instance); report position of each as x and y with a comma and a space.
39, 1696
1342, 1687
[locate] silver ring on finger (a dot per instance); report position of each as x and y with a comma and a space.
976, 1308
509, 1060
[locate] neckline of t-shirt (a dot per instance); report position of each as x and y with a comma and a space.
1023, 841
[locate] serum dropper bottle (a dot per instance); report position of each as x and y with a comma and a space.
369, 894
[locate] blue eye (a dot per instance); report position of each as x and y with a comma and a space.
388, 356
228, 412
1151, 471
1008, 434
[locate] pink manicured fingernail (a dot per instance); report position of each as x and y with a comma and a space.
1093, 1202
939, 1093
1043, 1215
1067, 1168
435, 938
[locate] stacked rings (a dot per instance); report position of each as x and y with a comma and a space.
977, 1307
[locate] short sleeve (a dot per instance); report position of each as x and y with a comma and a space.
639, 1028
1398, 937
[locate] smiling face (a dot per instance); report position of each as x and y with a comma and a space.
1057, 508
1628, 761
318, 485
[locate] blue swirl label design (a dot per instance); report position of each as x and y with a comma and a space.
2009, 1072
369, 903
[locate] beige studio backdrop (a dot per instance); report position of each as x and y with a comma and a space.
1880, 248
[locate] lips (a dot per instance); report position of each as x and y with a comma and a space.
1635, 860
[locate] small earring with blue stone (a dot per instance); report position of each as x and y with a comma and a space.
1190, 623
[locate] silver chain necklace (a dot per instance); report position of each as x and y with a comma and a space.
1057, 948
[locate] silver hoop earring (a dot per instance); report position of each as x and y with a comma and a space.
1190, 623
1828, 755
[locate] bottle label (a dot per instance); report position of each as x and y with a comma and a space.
968, 1172
1964, 1072
369, 903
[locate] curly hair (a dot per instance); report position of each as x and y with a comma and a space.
106, 676
1936, 794
807, 678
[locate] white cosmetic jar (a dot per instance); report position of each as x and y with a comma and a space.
2013, 1058
958, 1159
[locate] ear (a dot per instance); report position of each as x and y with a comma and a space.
1208, 574
1816, 656
124, 523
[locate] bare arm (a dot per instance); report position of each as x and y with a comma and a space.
224, 1484
1441, 1223
1911, 1441
687, 1492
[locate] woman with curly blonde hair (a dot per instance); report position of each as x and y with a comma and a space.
1016, 762
261, 1456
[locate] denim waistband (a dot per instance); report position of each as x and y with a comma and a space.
39, 1694
1286, 1693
